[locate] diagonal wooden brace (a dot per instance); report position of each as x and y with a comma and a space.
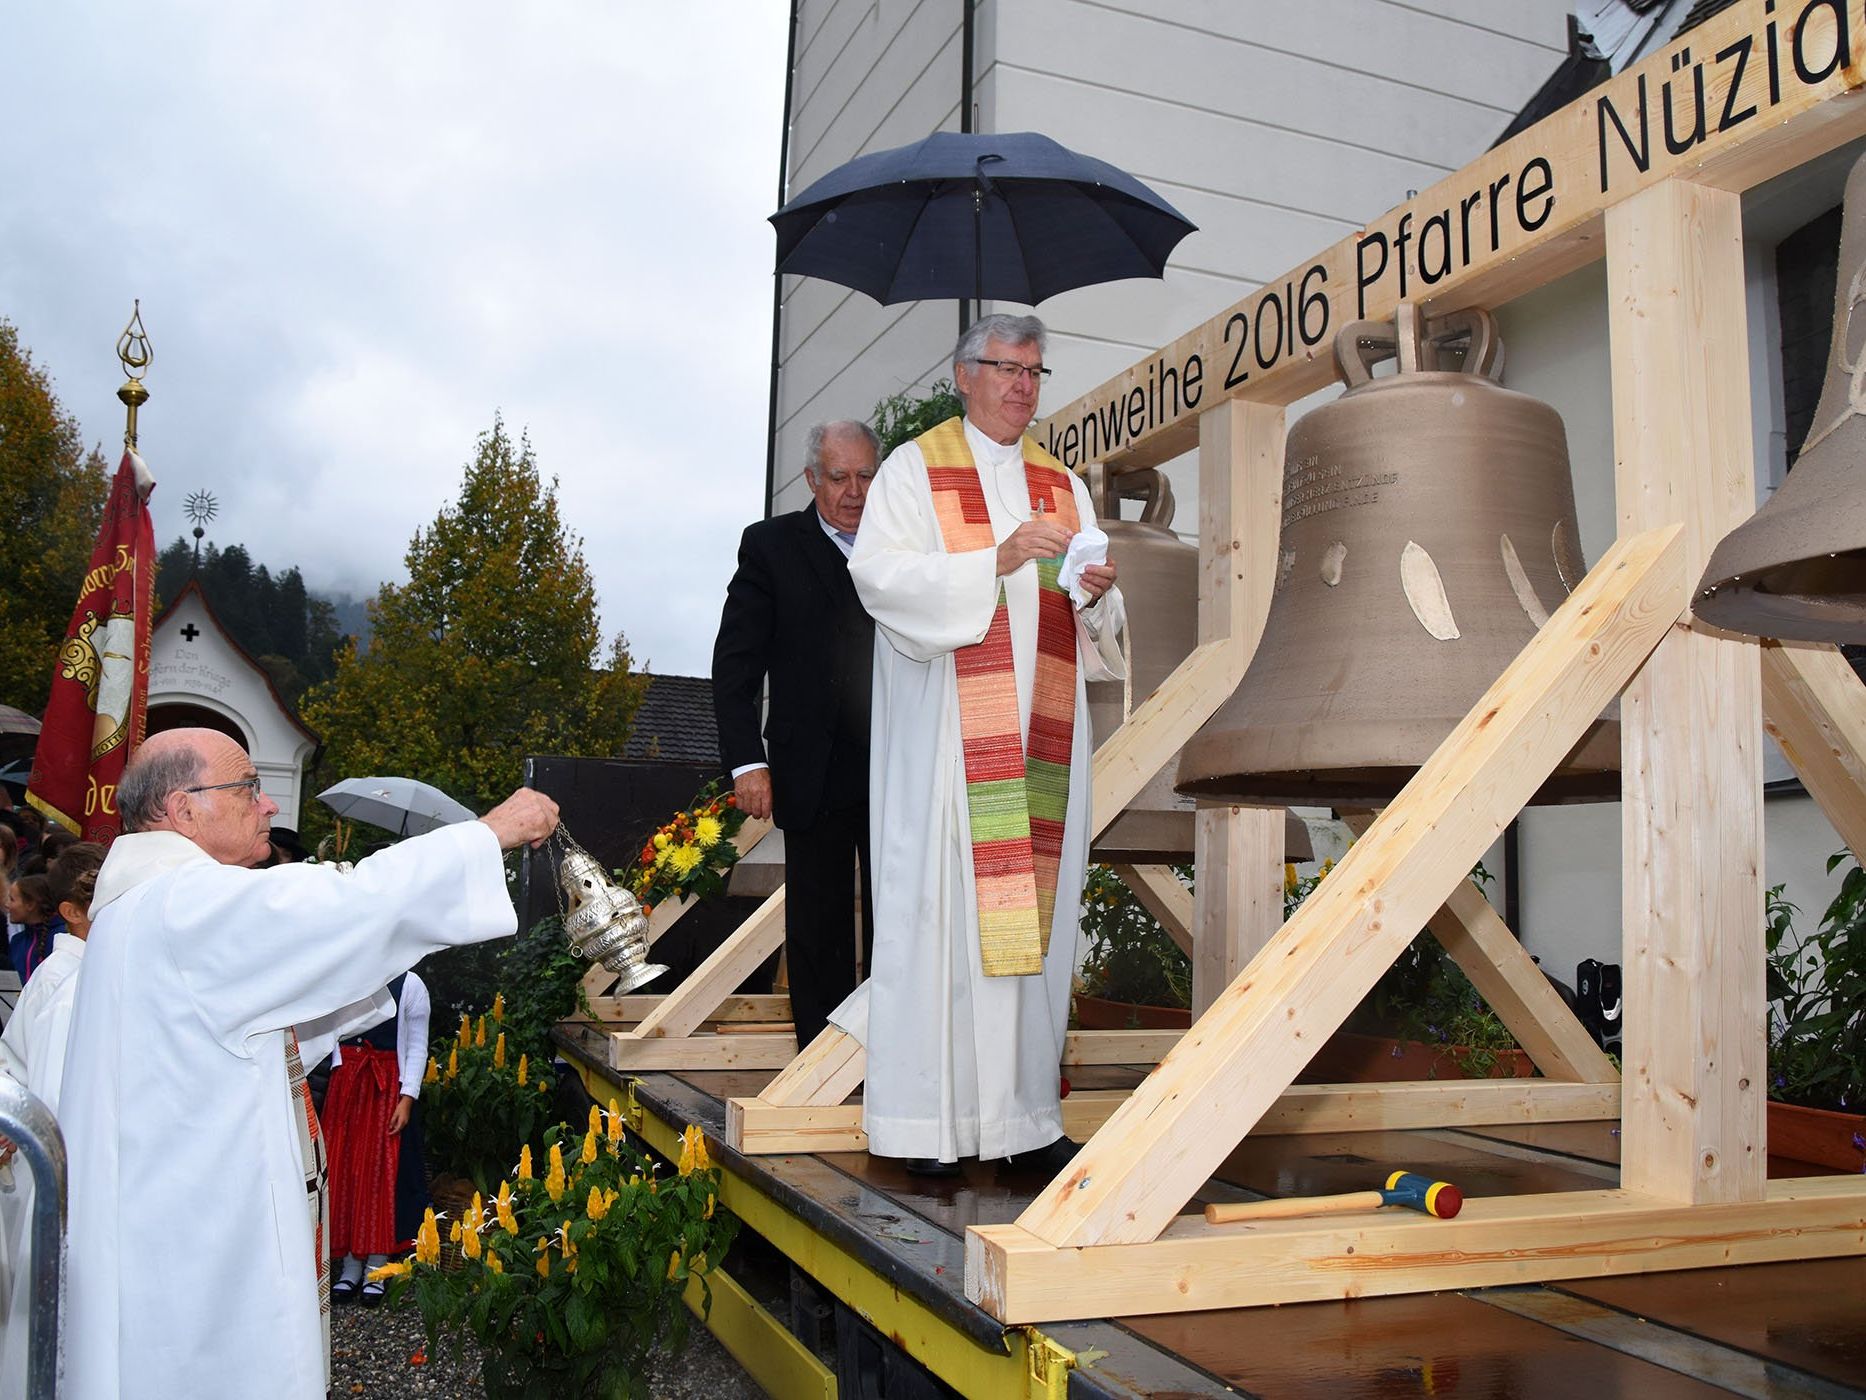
1814, 706
1130, 1180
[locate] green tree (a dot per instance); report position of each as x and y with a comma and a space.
488, 653
51, 500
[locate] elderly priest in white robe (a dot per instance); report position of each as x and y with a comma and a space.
195, 1263
980, 769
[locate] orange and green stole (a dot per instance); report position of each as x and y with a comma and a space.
1016, 795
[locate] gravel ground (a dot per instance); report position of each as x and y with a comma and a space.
371, 1350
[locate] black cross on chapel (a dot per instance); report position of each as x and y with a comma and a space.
190, 632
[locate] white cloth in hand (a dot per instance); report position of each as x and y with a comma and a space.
1086, 547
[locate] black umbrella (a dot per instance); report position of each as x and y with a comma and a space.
1013, 216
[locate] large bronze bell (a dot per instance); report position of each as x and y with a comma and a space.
1797, 567
604, 922
1428, 532
1159, 575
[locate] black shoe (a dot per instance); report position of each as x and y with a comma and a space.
343, 1290
1049, 1159
372, 1292
931, 1166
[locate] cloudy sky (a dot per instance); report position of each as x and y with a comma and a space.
360, 230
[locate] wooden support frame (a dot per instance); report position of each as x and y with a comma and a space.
1589, 181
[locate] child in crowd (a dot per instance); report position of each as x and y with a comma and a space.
33, 912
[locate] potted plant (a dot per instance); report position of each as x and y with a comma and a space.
572, 1280
1133, 974
1817, 1028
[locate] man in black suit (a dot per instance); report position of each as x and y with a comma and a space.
791, 615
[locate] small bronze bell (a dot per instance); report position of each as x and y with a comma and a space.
604, 923
1797, 568
1428, 532
1159, 575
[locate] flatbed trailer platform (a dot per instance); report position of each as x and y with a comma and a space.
889, 1248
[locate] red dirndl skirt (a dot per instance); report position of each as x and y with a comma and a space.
363, 1093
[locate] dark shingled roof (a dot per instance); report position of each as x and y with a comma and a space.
675, 722
1702, 11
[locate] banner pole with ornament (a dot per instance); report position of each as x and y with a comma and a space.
95, 716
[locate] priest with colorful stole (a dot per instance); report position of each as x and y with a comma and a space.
979, 560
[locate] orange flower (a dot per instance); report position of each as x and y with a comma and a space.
524, 1162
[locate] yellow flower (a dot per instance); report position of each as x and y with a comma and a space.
469, 1244
598, 1205
433, 1076
524, 1066
693, 1156
554, 1181
479, 1035
570, 1254
544, 1257
398, 1269
478, 1212
503, 1207
673, 1263
660, 842
709, 1206
524, 1162
455, 1232
1289, 878
684, 858
492, 1262
498, 1052
544, 1085
466, 1030
707, 831
498, 1006
428, 1240
596, 1119
588, 1154
661, 856
453, 1063
615, 1121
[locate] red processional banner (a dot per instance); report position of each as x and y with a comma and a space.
100, 681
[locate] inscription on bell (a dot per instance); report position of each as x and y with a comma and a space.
1311, 489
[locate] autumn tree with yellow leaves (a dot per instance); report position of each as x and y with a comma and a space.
491, 650
51, 499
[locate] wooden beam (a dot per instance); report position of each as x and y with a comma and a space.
1238, 850
769, 1050
1018, 1277
826, 1072
1120, 1047
1506, 977
1160, 725
1690, 725
1520, 216
1239, 857
1133, 1176
1162, 895
1814, 706
759, 1127
761, 1006
683, 1009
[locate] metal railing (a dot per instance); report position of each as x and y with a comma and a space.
41, 1147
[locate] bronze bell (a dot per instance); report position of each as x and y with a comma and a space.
1428, 532
1159, 575
604, 922
1797, 567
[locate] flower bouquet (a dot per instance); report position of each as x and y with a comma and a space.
485, 1101
573, 1280
691, 856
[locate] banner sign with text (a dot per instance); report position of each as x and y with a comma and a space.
1712, 106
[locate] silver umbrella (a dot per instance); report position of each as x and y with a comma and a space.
401, 805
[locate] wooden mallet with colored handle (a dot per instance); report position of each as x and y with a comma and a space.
1409, 1189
